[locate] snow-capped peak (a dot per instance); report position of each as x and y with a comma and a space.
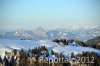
40, 33
22, 33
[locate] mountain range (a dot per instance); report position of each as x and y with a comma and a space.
79, 33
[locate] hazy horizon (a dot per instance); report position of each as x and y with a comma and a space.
49, 14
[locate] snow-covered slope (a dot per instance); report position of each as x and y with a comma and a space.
9, 45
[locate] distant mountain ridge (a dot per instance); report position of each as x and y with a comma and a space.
79, 33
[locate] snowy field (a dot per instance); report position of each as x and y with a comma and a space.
9, 45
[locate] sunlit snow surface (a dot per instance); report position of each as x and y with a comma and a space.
9, 45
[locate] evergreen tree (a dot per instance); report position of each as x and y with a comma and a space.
15, 51
47, 53
52, 52
0, 60
72, 55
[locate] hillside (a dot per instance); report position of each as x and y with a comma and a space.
9, 45
95, 42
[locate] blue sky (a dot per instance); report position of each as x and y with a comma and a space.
49, 14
